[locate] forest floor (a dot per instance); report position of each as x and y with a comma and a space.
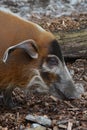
61, 113
44, 105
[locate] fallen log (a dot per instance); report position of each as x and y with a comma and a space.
74, 43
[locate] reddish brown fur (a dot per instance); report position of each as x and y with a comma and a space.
14, 30
18, 67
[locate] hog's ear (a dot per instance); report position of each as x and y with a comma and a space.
29, 46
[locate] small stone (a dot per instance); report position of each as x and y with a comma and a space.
40, 128
39, 119
34, 125
59, 122
22, 127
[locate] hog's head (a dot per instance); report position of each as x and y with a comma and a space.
51, 75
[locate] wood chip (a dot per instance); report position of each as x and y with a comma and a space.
69, 104
70, 124
62, 126
55, 99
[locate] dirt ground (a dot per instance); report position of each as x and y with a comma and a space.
61, 111
37, 104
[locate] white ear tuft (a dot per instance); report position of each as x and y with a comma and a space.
29, 46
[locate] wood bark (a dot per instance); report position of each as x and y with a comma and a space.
74, 44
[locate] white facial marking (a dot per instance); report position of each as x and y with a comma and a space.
45, 68
60, 69
5, 56
39, 28
67, 72
63, 72
37, 80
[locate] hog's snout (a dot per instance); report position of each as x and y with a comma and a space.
67, 90
58, 79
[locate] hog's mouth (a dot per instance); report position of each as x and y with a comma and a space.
57, 93
67, 92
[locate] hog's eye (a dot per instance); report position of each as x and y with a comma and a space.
52, 61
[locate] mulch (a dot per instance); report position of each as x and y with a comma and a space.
60, 112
